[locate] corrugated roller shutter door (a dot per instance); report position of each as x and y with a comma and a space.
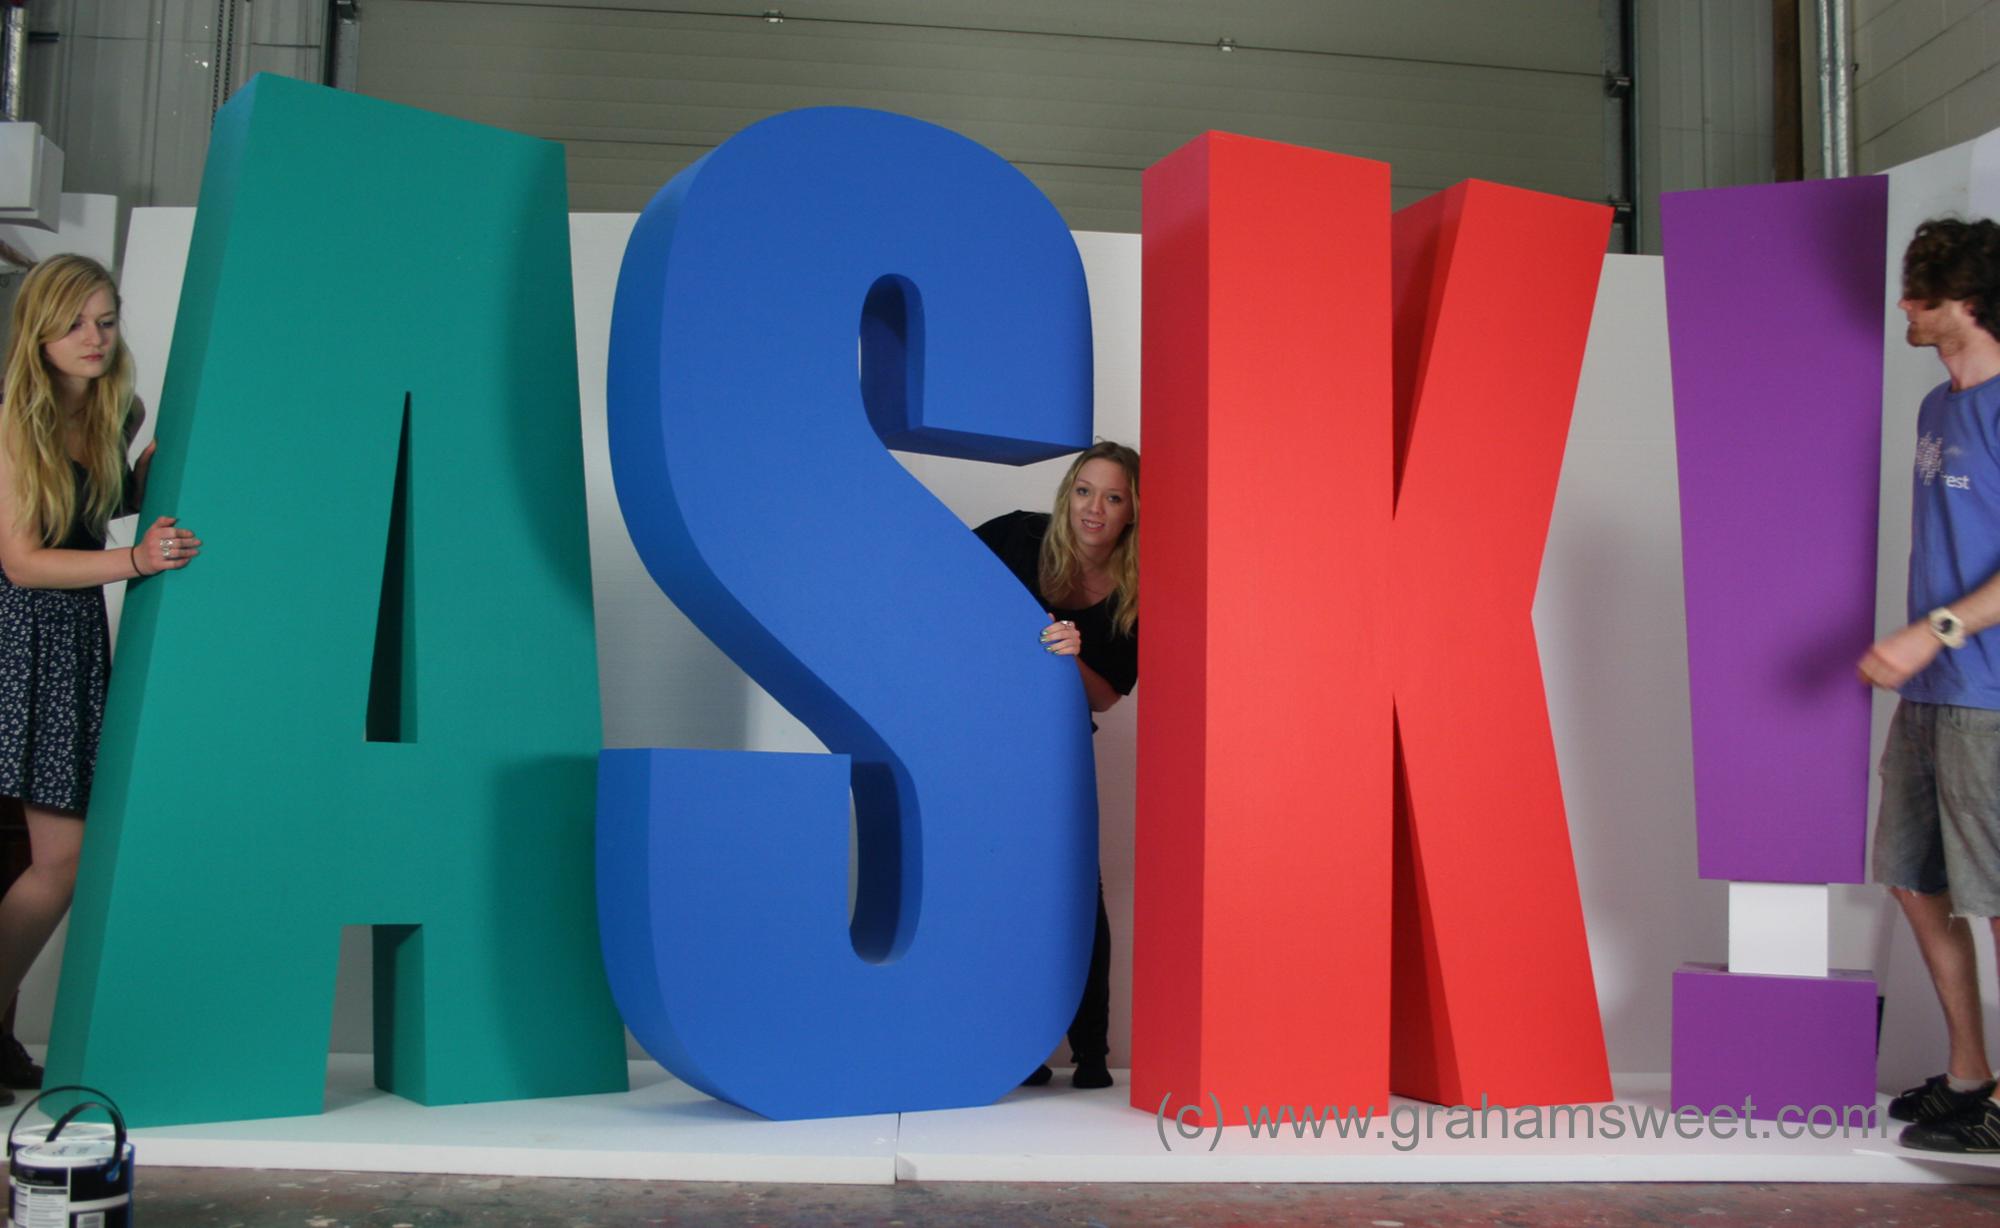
1082, 104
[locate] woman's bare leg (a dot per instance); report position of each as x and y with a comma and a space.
35, 904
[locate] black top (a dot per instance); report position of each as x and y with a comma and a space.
1017, 538
81, 536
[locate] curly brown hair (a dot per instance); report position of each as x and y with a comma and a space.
1953, 259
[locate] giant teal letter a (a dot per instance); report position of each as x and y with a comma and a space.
374, 698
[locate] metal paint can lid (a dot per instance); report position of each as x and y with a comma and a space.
37, 1136
67, 1152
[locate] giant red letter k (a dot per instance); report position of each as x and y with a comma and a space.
1353, 864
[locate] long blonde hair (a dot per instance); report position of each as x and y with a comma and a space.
1061, 567
32, 423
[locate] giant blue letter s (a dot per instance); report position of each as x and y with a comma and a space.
748, 449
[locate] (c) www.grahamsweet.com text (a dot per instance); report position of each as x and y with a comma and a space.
1409, 1126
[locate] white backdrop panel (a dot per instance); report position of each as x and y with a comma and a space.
1608, 616
1868, 932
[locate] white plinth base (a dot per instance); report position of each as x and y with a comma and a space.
661, 1130
1055, 1134
664, 1131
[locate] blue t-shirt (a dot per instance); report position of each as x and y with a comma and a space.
1955, 535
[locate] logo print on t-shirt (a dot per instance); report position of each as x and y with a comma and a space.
1931, 451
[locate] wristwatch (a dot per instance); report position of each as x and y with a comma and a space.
1947, 627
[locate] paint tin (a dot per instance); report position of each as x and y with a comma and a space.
70, 1176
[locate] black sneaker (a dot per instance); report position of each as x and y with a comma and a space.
1976, 1129
17, 1069
1933, 1100
1091, 1075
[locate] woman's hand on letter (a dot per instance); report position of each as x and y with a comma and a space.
1062, 638
167, 546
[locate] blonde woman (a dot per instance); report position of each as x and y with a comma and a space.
67, 419
1081, 561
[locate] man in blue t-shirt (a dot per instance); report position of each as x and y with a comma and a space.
1937, 839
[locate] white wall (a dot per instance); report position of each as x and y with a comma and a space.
1609, 616
1610, 621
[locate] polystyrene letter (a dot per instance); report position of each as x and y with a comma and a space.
373, 699
749, 457
1493, 993
1339, 896
1261, 963
1779, 558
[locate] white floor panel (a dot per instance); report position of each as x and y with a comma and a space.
661, 1130
1950, 1167
1059, 1134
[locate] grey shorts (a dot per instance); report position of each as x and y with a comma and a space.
1939, 827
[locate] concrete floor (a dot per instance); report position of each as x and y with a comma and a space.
232, 1198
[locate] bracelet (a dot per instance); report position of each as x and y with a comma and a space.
136, 573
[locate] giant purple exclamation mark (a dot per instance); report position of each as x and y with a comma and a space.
1774, 309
